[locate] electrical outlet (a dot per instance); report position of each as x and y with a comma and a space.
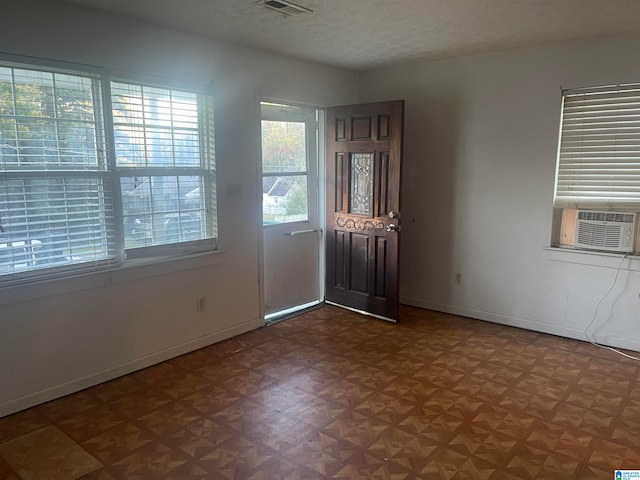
458, 279
201, 304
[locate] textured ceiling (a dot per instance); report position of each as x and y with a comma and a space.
364, 34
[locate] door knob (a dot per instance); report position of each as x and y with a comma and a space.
393, 214
392, 227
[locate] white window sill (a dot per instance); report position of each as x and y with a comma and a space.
593, 258
129, 271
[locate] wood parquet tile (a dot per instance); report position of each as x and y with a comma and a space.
334, 395
68, 408
72, 462
117, 442
21, 423
28, 448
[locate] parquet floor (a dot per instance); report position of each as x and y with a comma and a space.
330, 394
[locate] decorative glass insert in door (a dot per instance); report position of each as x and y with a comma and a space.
361, 179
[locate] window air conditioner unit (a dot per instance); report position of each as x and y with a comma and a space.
606, 231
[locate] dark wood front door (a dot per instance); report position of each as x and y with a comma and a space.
364, 156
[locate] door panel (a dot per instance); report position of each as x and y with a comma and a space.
286, 283
359, 268
364, 158
381, 267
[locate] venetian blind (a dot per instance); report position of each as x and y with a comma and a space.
164, 156
55, 198
599, 152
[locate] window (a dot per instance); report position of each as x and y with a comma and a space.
599, 153
164, 177
286, 141
95, 171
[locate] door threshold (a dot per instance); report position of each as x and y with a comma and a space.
362, 312
291, 312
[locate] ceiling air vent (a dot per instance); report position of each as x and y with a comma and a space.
285, 7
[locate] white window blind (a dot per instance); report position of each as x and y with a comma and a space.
55, 206
599, 153
165, 165
75, 195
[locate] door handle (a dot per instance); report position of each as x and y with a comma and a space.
300, 232
393, 214
392, 227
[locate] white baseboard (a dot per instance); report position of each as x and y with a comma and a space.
26, 401
528, 324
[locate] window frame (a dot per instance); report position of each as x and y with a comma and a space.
206, 169
589, 149
280, 112
110, 173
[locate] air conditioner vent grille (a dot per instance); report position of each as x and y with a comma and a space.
606, 216
599, 236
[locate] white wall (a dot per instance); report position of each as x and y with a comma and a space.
58, 337
479, 161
